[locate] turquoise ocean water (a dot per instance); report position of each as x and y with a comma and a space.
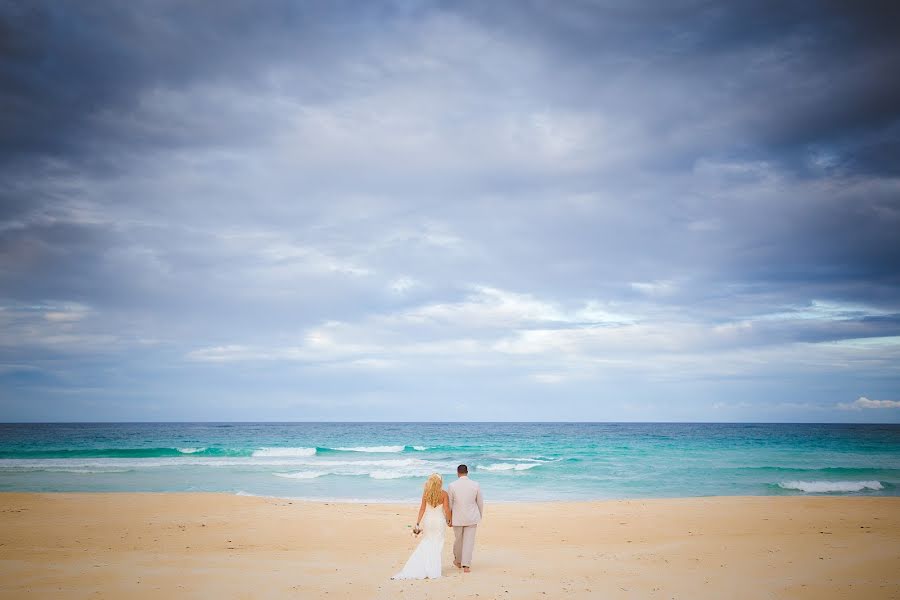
512, 461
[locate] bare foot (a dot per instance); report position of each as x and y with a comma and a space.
457, 565
465, 569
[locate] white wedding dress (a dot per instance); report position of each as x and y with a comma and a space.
426, 558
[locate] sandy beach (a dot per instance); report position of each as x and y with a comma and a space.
216, 545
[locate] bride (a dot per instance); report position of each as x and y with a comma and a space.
434, 516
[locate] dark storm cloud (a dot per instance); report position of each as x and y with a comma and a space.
798, 75
67, 63
803, 73
800, 78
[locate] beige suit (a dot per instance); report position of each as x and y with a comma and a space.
467, 506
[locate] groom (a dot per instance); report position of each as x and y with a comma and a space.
466, 508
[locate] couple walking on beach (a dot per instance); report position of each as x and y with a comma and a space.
460, 507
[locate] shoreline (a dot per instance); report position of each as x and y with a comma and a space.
204, 544
414, 501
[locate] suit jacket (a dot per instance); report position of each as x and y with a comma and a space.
466, 502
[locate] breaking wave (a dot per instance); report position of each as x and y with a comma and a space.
509, 466
280, 452
376, 449
824, 487
302, 474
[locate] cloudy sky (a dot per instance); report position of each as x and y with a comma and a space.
579, 210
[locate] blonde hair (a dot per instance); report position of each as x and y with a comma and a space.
434, 494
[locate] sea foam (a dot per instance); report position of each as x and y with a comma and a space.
821, 487
284, 452
302, 474
379, 449
88, 471
400, 474
509, 466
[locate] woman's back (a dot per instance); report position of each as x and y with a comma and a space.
433, 523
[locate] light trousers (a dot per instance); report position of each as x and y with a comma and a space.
464, 544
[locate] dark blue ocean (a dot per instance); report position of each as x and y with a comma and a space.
512, 461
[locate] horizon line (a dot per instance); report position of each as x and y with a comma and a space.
454, 422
